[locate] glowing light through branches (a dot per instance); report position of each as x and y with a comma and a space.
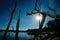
39, 17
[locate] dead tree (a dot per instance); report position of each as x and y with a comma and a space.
17, 26
12, 13
56, 13
35, 11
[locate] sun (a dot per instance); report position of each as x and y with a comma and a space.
39, 17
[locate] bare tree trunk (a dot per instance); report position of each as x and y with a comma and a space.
41, 25
17, 26
4, 36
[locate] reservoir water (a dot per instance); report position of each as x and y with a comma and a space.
21, 36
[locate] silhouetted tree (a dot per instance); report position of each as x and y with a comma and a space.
17, 26
4, 36
53, 26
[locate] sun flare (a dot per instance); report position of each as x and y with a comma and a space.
39, 17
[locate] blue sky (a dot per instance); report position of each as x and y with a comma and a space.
27, 22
